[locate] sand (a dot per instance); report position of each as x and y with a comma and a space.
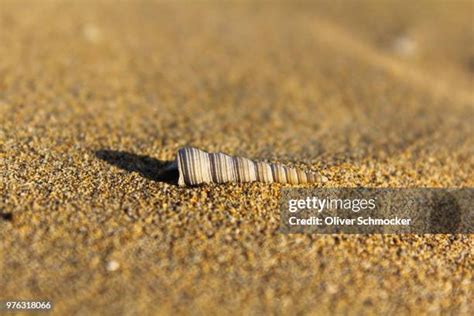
95, 98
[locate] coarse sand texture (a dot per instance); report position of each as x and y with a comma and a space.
96, 97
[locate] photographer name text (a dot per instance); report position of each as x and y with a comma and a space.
319, 205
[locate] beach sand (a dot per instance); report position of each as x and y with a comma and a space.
95, 98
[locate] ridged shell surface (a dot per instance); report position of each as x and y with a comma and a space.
197, 167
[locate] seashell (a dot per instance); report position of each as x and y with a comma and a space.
197, 167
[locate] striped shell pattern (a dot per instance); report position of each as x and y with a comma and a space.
197, 167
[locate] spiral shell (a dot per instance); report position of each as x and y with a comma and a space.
196, 167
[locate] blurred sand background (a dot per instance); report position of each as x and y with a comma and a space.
95, 97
